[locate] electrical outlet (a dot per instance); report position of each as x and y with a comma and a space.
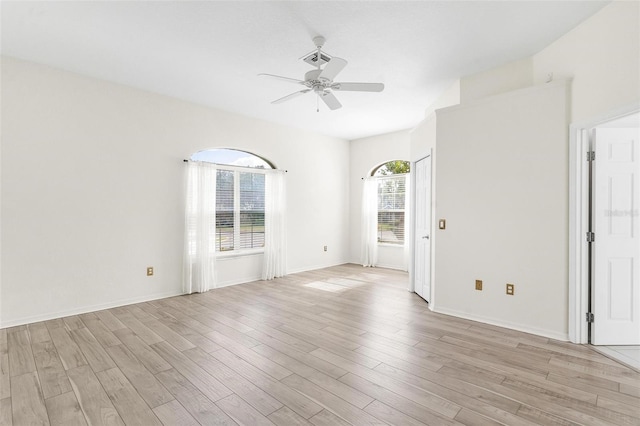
325, 248
479, 285
149, 271
511, 289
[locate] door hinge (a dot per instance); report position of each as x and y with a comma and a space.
590, 317
591, 237
591, 155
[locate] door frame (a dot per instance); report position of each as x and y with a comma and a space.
412, 257
579, 144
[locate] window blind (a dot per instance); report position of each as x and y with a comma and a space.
391, 209
251, 210
225, 212
239, 210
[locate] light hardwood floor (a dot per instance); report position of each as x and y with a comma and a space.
338, 346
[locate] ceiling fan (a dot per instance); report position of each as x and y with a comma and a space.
320, 80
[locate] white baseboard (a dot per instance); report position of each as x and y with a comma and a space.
380, 265
86, 309
236, 282
394, 267
147, 298
316, 267
295, 271
506, 324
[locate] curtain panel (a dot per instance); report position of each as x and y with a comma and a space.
369, 238
408, 205
200, 228
275, 242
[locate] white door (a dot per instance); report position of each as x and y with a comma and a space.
616, 248
422, 260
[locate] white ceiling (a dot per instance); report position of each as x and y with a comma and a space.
210, 52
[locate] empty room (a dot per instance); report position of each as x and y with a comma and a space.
320, 213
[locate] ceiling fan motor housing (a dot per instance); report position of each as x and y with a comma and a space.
313, 80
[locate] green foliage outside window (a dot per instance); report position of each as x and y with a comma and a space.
395, 167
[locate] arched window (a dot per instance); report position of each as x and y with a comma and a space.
232, 157
395, 167
392, 185
240, 195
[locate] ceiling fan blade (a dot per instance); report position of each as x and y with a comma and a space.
358, 87
330, 100
291, 96
279, 77
333, 68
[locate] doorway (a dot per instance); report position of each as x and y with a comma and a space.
422, 226
605, 245
614, 239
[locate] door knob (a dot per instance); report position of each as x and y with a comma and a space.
426, 237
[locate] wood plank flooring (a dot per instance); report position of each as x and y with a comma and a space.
338, 346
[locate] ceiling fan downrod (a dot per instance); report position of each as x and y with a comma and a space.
319, 42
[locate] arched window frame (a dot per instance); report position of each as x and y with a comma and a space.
217, 156
240, 206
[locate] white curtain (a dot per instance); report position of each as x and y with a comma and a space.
369, 237
275, 238
407, 222
200, 228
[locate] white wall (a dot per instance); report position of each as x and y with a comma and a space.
502, 187
512, 76
365, 154
422, 138
92, 191
422, 142
450, 96
602, 56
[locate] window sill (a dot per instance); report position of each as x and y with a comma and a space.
238, 253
